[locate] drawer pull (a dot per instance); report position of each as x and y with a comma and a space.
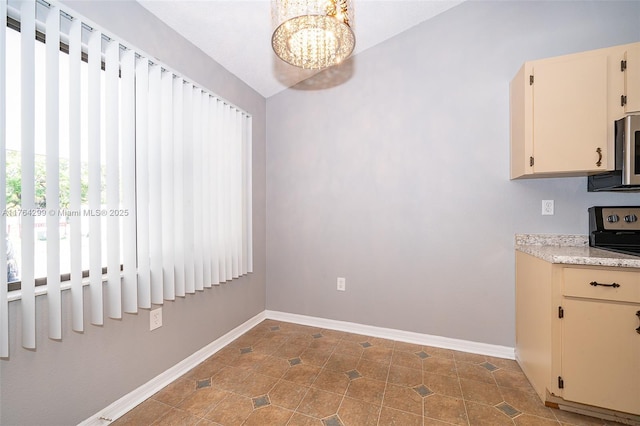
596, 284
638, 315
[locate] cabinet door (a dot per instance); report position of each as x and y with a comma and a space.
632, 78
570, 120
601, 354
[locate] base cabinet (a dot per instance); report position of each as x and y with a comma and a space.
576, 333
600, 354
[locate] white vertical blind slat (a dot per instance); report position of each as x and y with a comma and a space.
127, 121
222, 192
178, 185
243, 196
197, 189
222, 161
187, 189
142, 182
114, 286
249, 193
231, 170
75, 173
4, 303
207, 192
228, 198
166, 185
155, 201
27, 94
215, 191
233, 177
53, 171
95, 178
236, 192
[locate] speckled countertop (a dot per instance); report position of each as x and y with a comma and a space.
571, 250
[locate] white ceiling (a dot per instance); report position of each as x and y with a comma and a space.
237, 33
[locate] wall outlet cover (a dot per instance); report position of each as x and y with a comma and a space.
155, 319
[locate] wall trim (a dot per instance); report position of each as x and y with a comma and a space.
400, 335
137, 396
142, 393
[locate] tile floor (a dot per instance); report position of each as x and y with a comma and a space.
287, 374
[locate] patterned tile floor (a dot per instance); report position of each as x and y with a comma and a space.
287, 374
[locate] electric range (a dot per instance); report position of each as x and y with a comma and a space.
615, 229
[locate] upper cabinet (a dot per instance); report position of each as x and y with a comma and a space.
563, 109
631, 67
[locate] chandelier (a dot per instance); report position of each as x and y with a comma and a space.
313, 34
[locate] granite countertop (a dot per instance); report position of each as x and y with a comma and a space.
571, 250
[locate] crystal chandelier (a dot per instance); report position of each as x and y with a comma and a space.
313, 34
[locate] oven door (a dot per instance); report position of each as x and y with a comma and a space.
631, 151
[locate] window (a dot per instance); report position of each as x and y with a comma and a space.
113, 162
13, 211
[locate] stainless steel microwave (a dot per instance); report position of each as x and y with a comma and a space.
626, 175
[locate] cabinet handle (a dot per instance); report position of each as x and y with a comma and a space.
638, 315
599, 162
596, 284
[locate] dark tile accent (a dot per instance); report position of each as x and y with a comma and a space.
317, 336
275, 328
507, 409
203, 383
423, 355
246, 350
422, 390
353, 374
261, 401
332, 421
489, 366
295, 361
366, 344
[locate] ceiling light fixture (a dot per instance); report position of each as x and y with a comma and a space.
313, 34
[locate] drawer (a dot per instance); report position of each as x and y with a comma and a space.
578, 283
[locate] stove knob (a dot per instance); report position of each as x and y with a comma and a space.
613, 218
630, 218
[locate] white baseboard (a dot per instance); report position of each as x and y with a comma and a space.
399, 335
139, 395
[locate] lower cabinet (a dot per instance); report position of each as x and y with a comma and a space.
599, 358
578, 332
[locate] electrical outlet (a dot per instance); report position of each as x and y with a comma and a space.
342, 284
155, 319
547, 207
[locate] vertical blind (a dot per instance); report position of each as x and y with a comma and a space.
159, 176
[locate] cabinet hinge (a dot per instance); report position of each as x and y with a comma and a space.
560, 312
623, 65
560, 383
531, 80
531, 161
623, 100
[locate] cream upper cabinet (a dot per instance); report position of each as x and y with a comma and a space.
631, 69
578, 334
562, 114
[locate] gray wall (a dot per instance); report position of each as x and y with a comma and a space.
398, 179
63, 383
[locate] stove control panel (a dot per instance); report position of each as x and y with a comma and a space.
621, 218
